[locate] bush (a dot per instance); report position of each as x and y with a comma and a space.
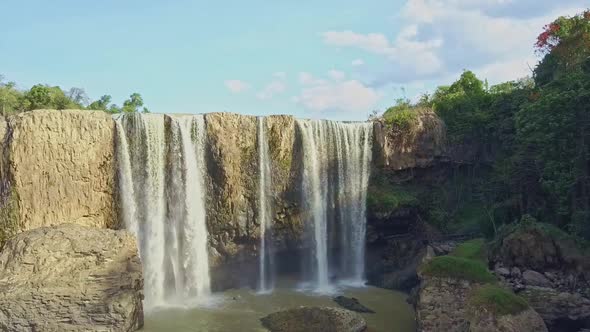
497, 300
473, 249
458, 267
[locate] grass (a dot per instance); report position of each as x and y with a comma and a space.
458, 267
498, 300
385, 199
473, 249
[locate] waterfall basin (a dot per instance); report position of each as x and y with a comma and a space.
241, 309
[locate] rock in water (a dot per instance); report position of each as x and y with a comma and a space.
71, 278
314, 319
351, 303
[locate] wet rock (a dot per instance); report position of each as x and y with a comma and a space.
515, 272
71, 278
352, 304
526, 321
534, 278
557, 308
502, 271
314, 319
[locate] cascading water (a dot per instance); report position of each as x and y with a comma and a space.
165, 206
266, 281
339, 153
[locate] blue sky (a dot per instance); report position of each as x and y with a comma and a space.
316, 59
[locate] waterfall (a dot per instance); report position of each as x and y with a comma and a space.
336, 166
264, 210
161, 185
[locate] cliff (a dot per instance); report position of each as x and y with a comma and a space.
60, 167
57, 167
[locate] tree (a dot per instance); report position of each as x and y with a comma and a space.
101, 104
9, 97
38, 97
78, 96
134, 104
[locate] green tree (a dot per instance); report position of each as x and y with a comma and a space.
134, 104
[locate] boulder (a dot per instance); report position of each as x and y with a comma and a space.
558, 307
314, 319
352, 304
71, 278
534, 278
526, 321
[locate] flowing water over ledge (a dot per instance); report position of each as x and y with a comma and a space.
244, 312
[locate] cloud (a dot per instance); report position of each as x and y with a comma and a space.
335, 94
336, 75
357, 62
236, 86
442, 37
271, 89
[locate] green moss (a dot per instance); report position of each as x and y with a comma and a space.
385, 198
497, 300
473, 249
457, 267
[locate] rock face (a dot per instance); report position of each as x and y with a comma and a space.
57, 167
441, 305
528, 320
558, 308
418, 146
71, 278
314, 319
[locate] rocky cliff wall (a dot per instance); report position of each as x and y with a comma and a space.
60, 167
57, 167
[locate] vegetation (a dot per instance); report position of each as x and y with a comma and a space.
458, 267
473, 249
497, 300
528, 141
401, 116
42, 96
385, 199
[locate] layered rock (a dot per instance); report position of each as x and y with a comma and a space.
71, 278
57, 167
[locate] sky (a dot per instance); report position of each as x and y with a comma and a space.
313, 59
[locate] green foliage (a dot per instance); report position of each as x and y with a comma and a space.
473, 249
459, 268
497, 300
42, 96
387, 198
400, 116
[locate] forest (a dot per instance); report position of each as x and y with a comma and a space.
529, 139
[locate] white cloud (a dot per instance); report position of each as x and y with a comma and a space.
357, 62
442, 37
306, 78
335, 94
272, 89
236, 86
348, 96
336, 75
